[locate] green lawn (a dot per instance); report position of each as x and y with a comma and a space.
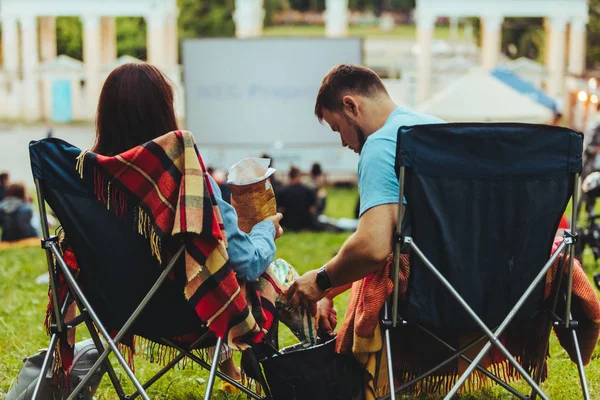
366, 31
24, 302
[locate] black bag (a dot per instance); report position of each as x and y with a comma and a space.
314, 373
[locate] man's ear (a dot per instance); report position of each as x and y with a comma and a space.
350, 106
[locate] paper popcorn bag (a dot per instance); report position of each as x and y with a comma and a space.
252, 194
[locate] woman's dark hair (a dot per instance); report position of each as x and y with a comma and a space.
135, 106
16, 190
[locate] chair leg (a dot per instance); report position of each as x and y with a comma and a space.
388, 350
158, 375
45, 366
213, 369
582, 379
109, 368
208, 367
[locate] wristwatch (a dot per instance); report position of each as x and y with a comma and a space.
323, 281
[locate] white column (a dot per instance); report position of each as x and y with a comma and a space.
556, 56
91, 58
156, 39
425, 27
454, 30
10, 57
172, 43
108, 34
29, 45
491, 40
249, 16
336, 18
577, 40
10, 45
47, 38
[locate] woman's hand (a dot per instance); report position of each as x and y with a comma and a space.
327, 317
276, 219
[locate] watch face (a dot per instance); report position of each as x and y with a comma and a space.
323, 281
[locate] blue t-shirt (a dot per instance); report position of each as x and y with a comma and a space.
377, 181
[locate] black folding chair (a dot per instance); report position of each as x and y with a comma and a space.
483, 204
120, 286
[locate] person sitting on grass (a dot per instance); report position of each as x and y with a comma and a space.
16, 214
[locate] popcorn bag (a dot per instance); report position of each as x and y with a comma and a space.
252, 194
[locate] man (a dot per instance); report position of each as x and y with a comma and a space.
354, 102
298, 203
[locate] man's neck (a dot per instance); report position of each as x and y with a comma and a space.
380, 113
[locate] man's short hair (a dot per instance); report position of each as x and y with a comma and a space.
294, 173
343, 79
3, 177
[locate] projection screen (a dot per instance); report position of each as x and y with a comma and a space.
248, 97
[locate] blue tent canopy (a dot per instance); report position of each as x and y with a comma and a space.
519, 84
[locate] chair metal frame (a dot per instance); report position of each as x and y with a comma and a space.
93, 324
392, 320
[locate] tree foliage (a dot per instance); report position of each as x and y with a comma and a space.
206, 18
593, 35
69, 37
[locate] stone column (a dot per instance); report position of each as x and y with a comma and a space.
47, 38
491, 40
556, 56
172, 43
454, 30
249, 16
91, 59
10, 57
156, 38
425, 27
577, 41
31, 95
108, 34
336, 18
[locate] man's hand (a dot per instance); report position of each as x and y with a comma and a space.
276, 219
304, 292
327, 316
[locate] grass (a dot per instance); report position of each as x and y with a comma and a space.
24, 302
365, 31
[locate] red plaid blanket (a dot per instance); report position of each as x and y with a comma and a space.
167, 180
164, 185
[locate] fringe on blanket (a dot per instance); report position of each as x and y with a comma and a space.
116, 200
437, 384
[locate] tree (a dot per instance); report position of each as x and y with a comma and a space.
206, 18
69, 40
521, 37
131, 37
593, 35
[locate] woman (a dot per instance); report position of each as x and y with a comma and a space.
16, 214
135, 107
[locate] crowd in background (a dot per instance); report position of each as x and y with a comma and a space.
301, 198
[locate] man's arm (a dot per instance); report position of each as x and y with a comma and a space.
367, 249
363, 253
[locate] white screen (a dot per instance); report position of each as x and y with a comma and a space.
245, 97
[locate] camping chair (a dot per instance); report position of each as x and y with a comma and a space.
483, 205
120, 286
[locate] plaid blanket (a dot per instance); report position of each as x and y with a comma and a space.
415, 353
163, 185
167, 181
